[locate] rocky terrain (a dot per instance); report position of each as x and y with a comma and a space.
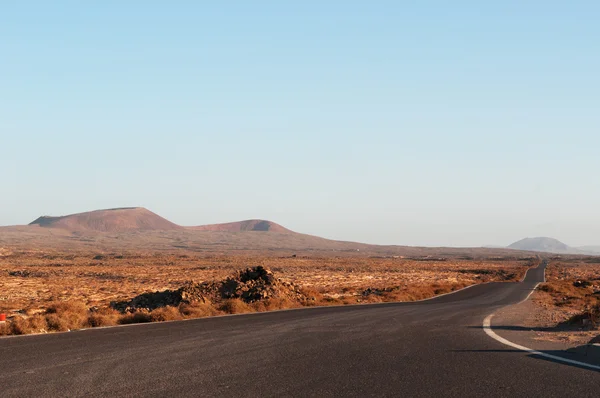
566, 307
249, 285
46, 291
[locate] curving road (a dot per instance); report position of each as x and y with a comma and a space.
431, 348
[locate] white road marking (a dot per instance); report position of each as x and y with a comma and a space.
487, 327
529, 295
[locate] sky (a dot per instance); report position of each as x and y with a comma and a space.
429, 123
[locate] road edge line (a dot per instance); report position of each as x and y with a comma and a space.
487, 327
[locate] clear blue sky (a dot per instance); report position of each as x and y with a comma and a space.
422, 123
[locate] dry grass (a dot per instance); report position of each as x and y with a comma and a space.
197, 310
571, 293
59, 317
235, 306
563, 309
137, 317
58, 291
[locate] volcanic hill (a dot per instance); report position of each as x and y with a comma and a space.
110, 220
541, 244
138, 229
244, 226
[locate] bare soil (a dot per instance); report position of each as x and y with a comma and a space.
562, 309
32, 283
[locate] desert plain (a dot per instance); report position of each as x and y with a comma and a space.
129, 265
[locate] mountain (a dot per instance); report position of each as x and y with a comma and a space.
123, 219
138, 229
542, 244
244, 226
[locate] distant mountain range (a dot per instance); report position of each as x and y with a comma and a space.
551, 245
137, 228
127, 219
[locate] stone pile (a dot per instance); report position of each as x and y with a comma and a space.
250, 285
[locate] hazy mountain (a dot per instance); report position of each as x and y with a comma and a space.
542, 244
240, 235
136, 228
244, 226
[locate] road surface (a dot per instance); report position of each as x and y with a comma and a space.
431, 348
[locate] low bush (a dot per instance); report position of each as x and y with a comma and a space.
21, 325
66, 315
279, 304
235, 306
313, 296
103, 317
167, 313
136, 317
197, 310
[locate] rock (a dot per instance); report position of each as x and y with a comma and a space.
582, 283
250, 285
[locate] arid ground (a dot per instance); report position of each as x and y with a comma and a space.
130, 265
567, 307
41, 289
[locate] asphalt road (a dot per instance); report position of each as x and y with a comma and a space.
431, 348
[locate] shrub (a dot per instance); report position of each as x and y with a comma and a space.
66, 315
5, 329
167, 313
97, 320
56, 323
545, 287
103, 317
136, 317
313, 296
34, 324
235, 306
274, 304
66, 307
197, 310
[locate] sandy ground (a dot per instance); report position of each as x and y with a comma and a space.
538, 327
548, 320
32, 280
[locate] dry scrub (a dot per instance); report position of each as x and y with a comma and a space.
565, 308
57, 291
571, 294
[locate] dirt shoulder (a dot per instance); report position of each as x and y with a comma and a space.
563, 311
539, 326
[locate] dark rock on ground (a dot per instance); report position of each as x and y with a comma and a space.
250, 285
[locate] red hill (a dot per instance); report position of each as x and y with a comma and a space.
111, 220
244, 226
